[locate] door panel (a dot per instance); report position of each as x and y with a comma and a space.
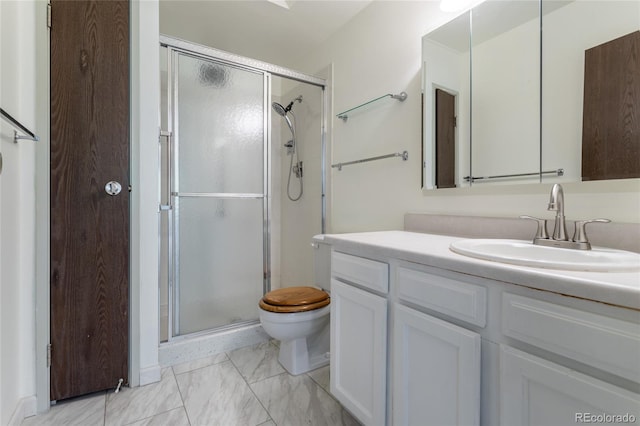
89, 228
358, 352
610, 124
436, 371
220, 268
218, 193
445, 139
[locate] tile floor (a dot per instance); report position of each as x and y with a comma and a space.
245, 387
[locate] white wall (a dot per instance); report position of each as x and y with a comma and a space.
505, 107
17, 209
379, 52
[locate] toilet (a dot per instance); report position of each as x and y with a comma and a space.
299, 317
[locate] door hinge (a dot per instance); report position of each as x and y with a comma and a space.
164, 134
455, 121
165, 207
49, 15
49, 355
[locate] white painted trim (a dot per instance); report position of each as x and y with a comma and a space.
145, 98
43, 233
150, 375
26, 407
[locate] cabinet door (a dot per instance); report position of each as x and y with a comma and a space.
359, 352
534, 391
436, 371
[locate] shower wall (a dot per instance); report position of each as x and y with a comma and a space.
278, 127
302, 219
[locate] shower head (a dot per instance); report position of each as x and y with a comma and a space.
279, 109
283, 112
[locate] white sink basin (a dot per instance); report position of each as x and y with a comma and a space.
525, 253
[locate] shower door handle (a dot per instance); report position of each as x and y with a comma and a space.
113, 188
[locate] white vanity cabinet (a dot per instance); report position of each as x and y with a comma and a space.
359, 336
537, 391
436, 364
422, 336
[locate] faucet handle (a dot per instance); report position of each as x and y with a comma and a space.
542, 227
580, 235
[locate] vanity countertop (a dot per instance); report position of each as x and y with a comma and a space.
616, 288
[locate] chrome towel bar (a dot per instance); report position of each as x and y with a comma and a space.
15, 123
403, 154
557, 172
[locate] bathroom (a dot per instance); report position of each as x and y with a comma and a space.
368, 57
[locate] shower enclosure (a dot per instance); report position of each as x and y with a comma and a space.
216, 187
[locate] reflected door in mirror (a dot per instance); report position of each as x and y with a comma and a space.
611, 126
445, 139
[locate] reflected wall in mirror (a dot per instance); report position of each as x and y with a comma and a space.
515, 70
505, 76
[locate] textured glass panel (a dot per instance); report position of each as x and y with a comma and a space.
220, 127
220, 261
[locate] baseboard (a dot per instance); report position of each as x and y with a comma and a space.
150, 375
210, 344
26, 407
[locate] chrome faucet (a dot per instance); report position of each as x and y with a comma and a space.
556, 203
559, 237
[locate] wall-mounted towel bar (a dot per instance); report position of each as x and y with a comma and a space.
557, 172
403, 154
400, 96
15, 123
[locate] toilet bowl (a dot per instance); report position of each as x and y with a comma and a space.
299, 318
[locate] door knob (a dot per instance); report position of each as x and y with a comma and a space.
113, 188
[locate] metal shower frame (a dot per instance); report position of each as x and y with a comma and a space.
177, 46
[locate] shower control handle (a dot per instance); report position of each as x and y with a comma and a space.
113, 188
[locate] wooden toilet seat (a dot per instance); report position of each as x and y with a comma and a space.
294, 299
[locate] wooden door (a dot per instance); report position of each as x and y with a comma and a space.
445, 139
611, 114
89, 228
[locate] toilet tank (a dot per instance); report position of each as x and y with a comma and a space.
321, 263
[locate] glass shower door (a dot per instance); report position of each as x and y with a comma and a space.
218, 193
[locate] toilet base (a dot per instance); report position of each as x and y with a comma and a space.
301, 355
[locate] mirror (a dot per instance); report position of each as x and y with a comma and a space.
570, 34
503, 101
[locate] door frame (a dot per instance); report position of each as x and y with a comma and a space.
143, 355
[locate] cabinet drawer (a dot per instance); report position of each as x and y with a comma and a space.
447, 295
363, 272
602, 342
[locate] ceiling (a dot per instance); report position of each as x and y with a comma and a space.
275, 31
